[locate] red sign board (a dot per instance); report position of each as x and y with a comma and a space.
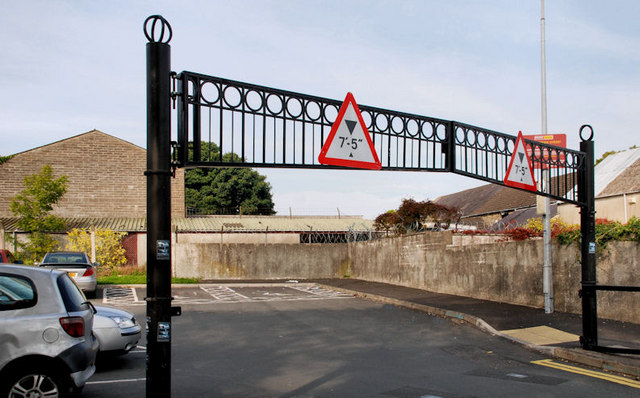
559, 140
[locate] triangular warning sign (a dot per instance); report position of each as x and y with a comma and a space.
520, 172
349, 143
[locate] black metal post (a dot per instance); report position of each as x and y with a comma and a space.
586, 193
158, 207
449, 148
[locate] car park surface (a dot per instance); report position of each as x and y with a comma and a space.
266, 341
47, 347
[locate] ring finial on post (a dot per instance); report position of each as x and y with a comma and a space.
590, 136
155, 33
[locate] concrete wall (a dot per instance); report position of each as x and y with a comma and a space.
257, 238
259, 261
508, 272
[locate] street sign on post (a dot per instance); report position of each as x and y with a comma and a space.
552, 157
520, 173
349, 143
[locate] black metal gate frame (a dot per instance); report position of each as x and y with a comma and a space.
267, 127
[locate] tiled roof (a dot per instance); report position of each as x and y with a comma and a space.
490, 198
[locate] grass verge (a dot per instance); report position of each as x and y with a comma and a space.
137, 276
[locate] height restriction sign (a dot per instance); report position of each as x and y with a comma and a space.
349, 143
520, 172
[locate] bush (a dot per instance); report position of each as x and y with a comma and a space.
109, 251
606, 231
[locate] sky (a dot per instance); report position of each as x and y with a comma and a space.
68, 67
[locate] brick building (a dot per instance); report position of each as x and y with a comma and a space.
107, 189
105, 174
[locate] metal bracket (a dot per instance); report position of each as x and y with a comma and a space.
174, 93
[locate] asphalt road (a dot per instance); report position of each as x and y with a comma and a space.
271, 344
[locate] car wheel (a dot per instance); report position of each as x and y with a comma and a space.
39, 382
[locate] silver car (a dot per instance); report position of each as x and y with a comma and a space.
47, 347
77, 265
116, 330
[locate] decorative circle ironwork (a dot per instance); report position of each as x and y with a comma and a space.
254, 100
481, 139
502, 144
210, 92
330, 113
397, 124
274, 104
150, 33
440, 132
460, 136
232, 96
381, 122
582, 137
470, 137
367, 118
294, 107
491, 142
413, 127
428, 130
312, 110
511, 146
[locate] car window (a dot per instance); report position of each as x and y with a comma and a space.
65, 258
72, 296
16, 292
10, 258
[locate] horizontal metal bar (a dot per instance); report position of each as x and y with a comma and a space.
613, 288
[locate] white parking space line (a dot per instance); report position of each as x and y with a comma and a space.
225, 294
116, 381
321, 292
120, 295
228, 294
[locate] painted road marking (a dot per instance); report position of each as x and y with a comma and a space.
120, 295
591, 373
227, 294
116, 381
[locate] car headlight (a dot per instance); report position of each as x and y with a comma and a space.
124, 323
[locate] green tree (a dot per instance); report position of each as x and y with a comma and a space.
227, 190
33, 206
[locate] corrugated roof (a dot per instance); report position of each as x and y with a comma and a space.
272, 224
228, 224
618, 173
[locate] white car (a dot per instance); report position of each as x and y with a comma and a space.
47, 348
117, 331
77, 265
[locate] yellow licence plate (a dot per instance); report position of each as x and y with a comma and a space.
73, 274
